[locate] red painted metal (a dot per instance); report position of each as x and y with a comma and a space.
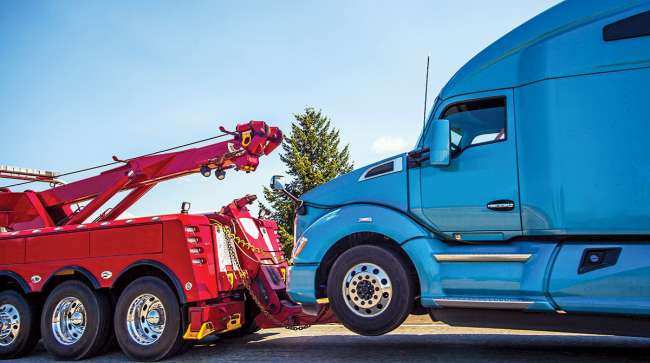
43, 237
250, 141
99, 200
125, 203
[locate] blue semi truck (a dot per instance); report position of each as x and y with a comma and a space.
525, 203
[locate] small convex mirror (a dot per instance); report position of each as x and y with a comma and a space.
277, 182
440, 147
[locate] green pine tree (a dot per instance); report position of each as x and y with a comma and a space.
312, 157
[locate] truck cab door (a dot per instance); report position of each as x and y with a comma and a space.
476, 196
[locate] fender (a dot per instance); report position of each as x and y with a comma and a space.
21, 282
87, 274
341, 222
164, 269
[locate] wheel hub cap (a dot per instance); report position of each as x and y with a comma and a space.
10, 324
153, 317
69, 321
145, 320
367, 289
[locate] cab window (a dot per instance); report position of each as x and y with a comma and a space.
476, 122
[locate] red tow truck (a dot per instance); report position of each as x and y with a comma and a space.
150, 283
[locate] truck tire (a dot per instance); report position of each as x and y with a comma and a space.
76, 321
370, 290
148, 320
18, 325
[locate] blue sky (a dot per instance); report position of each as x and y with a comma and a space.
81, 81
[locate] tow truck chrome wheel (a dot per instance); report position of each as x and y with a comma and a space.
145, 319
69, 321
10, 324
19, 331
76, 321
367, 289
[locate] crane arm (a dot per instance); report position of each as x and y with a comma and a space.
241, 152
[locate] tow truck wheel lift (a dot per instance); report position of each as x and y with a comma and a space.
154, 282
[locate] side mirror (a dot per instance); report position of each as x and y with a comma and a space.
277, 183
440, 147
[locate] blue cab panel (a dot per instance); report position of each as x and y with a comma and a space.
537, 202
614, 278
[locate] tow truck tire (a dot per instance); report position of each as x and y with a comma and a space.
370, 290
148, 320
19, 325
76, 321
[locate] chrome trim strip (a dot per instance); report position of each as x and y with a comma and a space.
488, 257
483, 304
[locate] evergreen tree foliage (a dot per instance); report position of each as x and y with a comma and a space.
312, 156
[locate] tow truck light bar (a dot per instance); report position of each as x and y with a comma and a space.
29, 174
26, 171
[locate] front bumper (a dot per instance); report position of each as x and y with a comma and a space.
301, 284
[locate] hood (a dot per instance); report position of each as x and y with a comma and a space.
383, 182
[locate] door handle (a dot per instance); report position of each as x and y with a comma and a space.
501, 205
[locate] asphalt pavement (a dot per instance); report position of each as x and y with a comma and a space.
418, 340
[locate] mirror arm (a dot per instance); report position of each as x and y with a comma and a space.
417, 157
278, 186
295, 199
418, 153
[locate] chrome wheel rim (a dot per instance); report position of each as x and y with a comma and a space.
69, 320
367, 289
9, 324
146, 319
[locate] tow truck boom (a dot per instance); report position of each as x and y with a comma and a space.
53, 207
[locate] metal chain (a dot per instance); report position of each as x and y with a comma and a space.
245, 244
232, 236
243, 274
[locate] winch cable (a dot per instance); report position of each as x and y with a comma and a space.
119, 162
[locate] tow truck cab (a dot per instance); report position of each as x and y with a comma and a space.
525, 202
